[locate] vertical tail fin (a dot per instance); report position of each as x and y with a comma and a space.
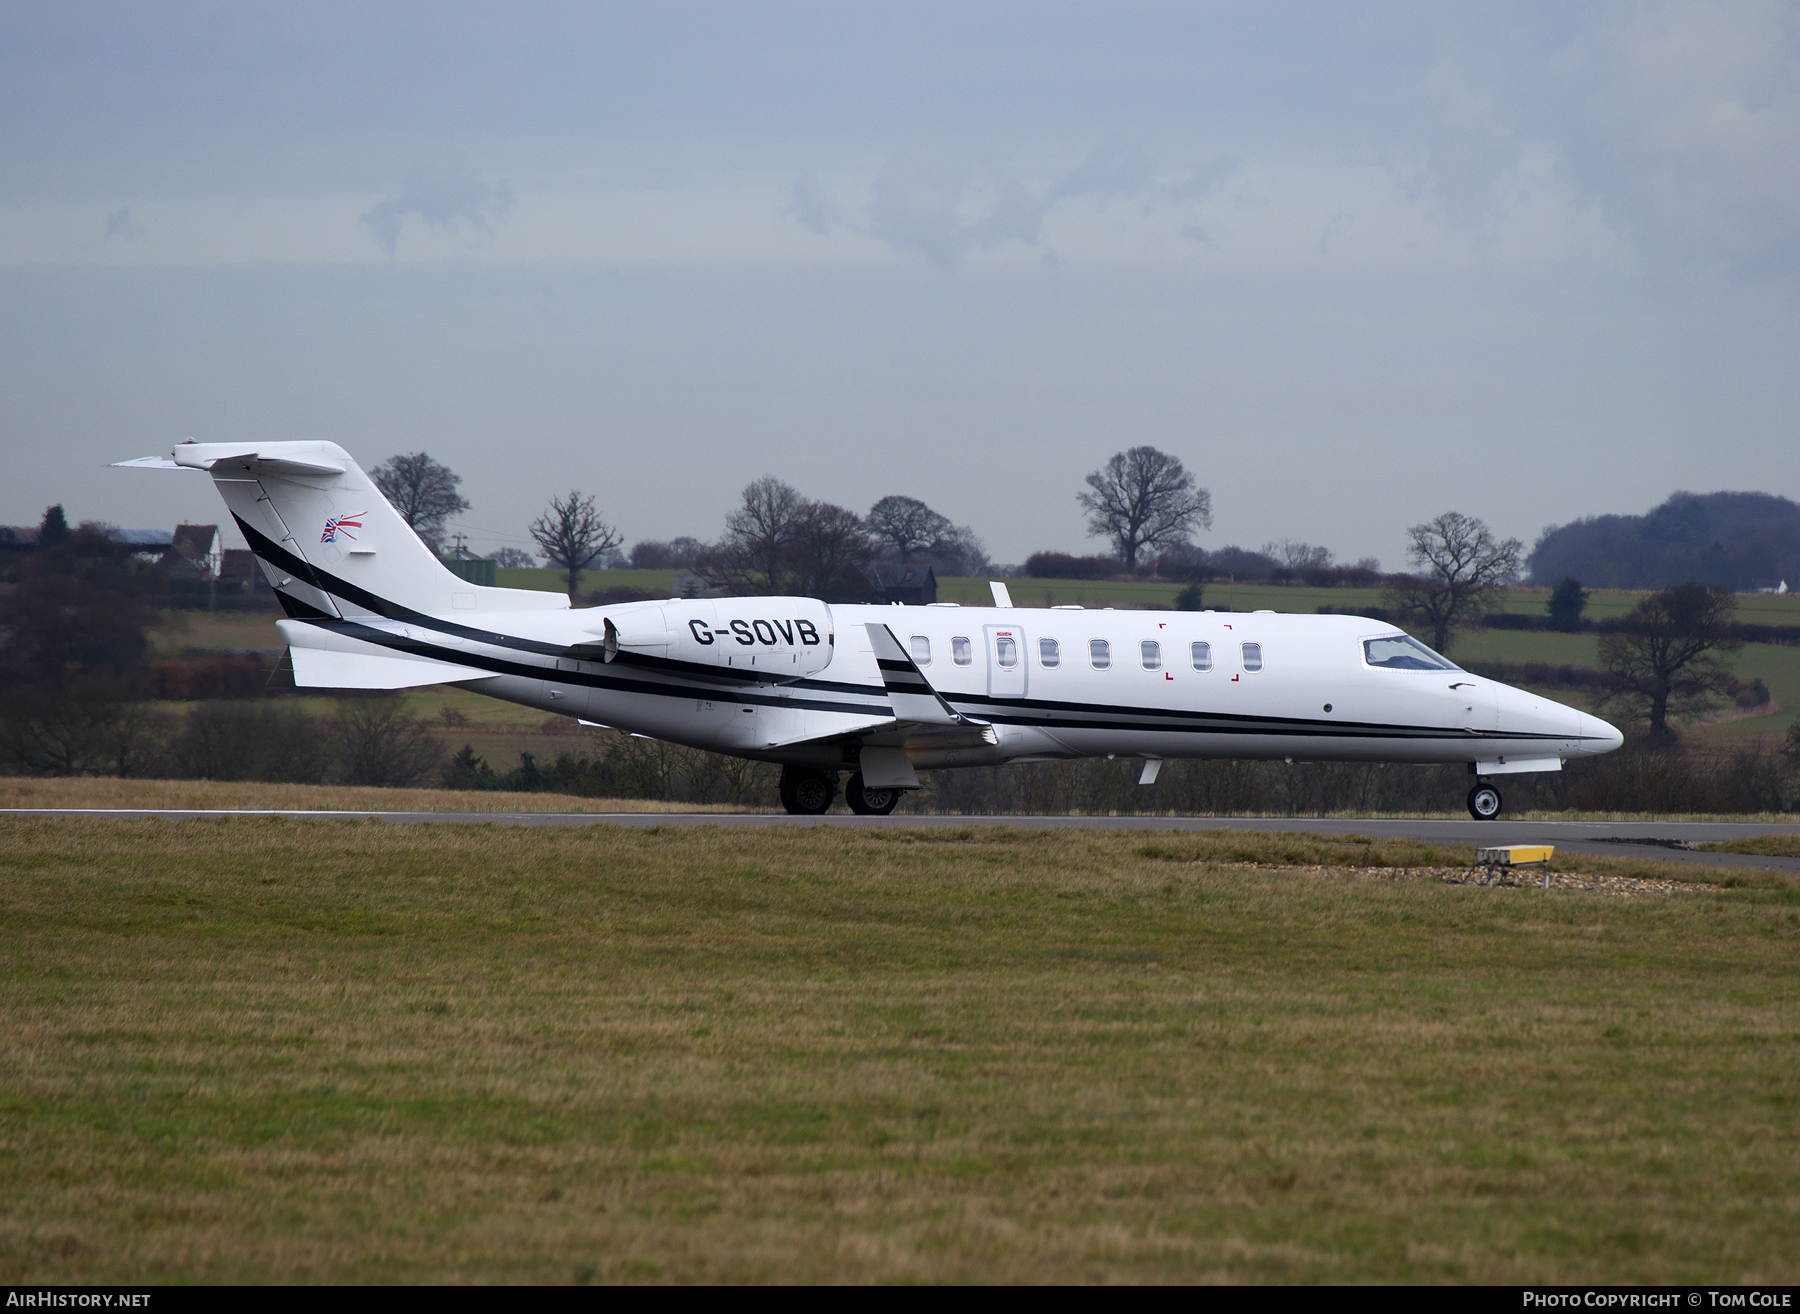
330, 543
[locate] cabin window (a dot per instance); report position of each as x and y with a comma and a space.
1253, 656
921, 647
1100, 654
1203, 656
1152, 651
1006, 652
960, 651
1402, 652
1048, 653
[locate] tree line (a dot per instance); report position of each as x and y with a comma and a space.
72, 613
1739, 541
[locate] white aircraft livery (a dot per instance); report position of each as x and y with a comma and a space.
878, 692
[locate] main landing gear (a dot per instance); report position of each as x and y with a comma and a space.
866, 802
1484, 802
807, 793
810, 793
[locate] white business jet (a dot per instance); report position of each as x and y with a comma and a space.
877, 692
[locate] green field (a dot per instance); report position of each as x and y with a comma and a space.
1026, 591
248, 1051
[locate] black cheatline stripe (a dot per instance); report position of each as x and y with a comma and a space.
1029, 711
1223, 723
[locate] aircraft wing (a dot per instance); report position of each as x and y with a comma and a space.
908, 690
921, 716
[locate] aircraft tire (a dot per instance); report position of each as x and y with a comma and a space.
869, 802
1484, 802
807, 793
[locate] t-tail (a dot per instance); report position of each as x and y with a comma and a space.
352, 576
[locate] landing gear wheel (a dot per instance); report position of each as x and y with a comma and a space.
1484, 802
866, 802
807, 793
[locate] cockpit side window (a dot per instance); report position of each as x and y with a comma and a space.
1402, 652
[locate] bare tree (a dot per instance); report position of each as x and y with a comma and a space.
676, 554
1667, 652
573, 536
753, 555
1144, 498
1299, 556
381, 743
513, 558
1465, 566
423, 492
904, 527
830, 551
907, 525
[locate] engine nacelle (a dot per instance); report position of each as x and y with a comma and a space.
781, 638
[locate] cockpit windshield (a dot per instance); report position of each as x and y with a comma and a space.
1402, 652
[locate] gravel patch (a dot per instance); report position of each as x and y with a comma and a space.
1618, 887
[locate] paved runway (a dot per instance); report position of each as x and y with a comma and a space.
1662, 840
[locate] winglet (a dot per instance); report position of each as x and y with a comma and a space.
907, 688
1001, 597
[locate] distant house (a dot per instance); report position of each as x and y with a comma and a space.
148, 540
197, 552
914, 585
18, 538
239, 568
692, 584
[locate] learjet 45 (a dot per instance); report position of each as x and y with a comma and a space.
875, 693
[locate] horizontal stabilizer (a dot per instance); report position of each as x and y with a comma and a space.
322, 668
283, 460
148, 463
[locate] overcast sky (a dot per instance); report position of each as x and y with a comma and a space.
1355, 264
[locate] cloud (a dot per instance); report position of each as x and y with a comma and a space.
1692, 134
943, 208
811, 208
1109, 171
123, 225
1679, 121
946, 208
443, 202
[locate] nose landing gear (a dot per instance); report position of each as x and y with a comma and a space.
1484, 802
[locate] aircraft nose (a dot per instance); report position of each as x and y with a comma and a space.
1597, 736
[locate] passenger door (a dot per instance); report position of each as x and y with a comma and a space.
1006, 661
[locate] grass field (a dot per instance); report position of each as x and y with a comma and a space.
275, 1051
136, 793
112, 792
